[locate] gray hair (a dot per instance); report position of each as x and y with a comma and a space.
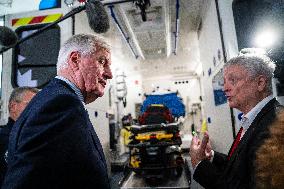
18, 93
86, 44
255, 65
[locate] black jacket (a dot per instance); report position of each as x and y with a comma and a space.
4, 140
238, 172
54, 145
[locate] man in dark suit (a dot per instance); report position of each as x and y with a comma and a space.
248, 87
19, 99
53, 143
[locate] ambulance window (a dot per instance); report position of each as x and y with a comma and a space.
34, 60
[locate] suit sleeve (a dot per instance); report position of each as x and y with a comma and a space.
208, 176
219, 160
211, 175
49, 132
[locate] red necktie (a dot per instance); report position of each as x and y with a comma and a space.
236, 142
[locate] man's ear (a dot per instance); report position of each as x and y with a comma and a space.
74, 59
261, 83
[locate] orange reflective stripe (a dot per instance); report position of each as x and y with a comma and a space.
35, 20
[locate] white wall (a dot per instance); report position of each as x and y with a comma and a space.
220, 128
19, 6
134, 93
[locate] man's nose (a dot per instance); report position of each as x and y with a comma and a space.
108, 73
225, 87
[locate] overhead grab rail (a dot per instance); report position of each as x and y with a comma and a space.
176, 33
126, 38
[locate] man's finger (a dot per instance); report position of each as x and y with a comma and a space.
208, 147
195, 140
204, 141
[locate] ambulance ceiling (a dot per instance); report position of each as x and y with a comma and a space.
155, 38
151, 39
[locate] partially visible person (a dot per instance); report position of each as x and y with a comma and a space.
19, 99
269, 163
248, 88
125, 133
53, 144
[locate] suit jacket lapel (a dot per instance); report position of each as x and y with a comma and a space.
248, 134
90, 127
95, 139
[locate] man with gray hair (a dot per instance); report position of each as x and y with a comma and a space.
248, 88
19, 99
53, 144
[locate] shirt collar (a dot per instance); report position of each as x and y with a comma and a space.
251, 115
73, 86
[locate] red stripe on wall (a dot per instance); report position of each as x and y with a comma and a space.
37, 19
14, 21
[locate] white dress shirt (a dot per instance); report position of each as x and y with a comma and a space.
248, 118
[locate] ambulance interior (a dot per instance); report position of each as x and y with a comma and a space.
158, 47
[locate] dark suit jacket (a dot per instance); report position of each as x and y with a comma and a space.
238, 172
4, 140
53, 144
